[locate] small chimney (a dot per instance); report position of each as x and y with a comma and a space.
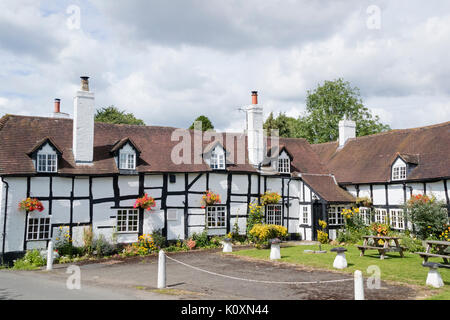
254, 97
57, 106
84, 83
57, 110
347, 130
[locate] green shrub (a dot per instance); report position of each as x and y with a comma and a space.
411, 244
427, 215
31, 260
103, 247
255, 216
265, 232
201, 239
351, 235
158, 239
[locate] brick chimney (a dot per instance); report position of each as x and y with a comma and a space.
255, 133
83, 124
57, 110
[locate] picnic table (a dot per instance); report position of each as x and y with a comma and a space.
382, 248
441, 248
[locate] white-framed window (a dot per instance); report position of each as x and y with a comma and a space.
217, 160
399, 172
284, 165
273, 214
364, 213
305, 215
396, 219
127, 161
334, 215
127, 220
381, 215
47, 162
38, 228
216, 216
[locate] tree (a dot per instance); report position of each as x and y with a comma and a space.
113, 115
331, 102
206, 123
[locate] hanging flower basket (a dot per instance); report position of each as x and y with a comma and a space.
145, 202
30, 205
210, 198
364, 202
270, 198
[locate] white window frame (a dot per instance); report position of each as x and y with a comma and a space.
399, 172
335, 218
216, 217
364, 213
36, 234
123, 219
381, 215
127, 160
284, 165
305, 214
47, 162
217, 161
397, 219
274, 213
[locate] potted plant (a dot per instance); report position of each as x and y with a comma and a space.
210, 198
145, 202
30, 205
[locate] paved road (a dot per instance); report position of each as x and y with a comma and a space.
136, 278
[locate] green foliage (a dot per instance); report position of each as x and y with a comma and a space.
410, 243
158, 238
264, 232
331, 102
325, 107
206, 123
31, 260
201, 239
88, 238
103, 247
428, 216
113, 115
255, 216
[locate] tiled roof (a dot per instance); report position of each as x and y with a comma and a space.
20, 134
368, 159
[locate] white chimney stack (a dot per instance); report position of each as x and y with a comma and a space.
347, 130
255, 133
83, 124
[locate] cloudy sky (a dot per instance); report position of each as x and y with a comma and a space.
170, 61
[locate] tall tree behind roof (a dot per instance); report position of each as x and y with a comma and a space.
113, 115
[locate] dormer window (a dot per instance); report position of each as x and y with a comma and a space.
284, 165
126, 154
399, 172
217, 160
45, 156
127, 160
47, 162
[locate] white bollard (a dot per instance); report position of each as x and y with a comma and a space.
359, 285
161, 270
50, 256
340, 262
227, 246
434, 278
275, 252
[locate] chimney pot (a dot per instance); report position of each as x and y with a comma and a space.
84, 83
254, 97
57, 105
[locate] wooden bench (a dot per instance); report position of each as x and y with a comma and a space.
382, 250
441, 246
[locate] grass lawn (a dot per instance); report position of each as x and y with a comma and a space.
394, 268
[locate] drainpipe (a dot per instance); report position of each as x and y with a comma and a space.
4, 220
